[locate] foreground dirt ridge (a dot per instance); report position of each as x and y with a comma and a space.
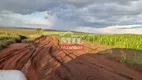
43, 60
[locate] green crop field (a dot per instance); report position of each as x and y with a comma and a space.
119, 40
128, 47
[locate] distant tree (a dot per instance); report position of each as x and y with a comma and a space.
38, 30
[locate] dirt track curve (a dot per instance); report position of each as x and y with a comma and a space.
43, 60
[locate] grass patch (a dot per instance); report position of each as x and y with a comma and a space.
5, 41
16, 31
131, 57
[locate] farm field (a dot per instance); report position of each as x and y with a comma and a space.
132, 41
119, 55
11, 35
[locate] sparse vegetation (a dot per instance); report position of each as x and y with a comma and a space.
4, 41
10, 35
132, 57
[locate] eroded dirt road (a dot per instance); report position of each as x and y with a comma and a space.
43, 60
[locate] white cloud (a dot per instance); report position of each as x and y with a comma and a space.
14, 19
123, 29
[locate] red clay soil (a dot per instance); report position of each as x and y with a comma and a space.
43, 60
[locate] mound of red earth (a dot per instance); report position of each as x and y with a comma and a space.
42, 59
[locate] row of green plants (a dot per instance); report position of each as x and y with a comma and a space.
119, 40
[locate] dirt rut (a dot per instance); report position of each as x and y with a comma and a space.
43, 60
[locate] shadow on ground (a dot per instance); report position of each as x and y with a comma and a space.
100, 66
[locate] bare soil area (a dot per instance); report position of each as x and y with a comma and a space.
42, 59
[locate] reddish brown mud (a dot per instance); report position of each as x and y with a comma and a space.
43, 60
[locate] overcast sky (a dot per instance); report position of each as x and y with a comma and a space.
95, 16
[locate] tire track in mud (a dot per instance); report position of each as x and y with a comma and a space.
42, 59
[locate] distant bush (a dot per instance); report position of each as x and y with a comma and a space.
26, 40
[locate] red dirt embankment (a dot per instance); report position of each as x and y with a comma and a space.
43, 60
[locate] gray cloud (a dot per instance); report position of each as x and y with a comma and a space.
68, 14
29, 6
